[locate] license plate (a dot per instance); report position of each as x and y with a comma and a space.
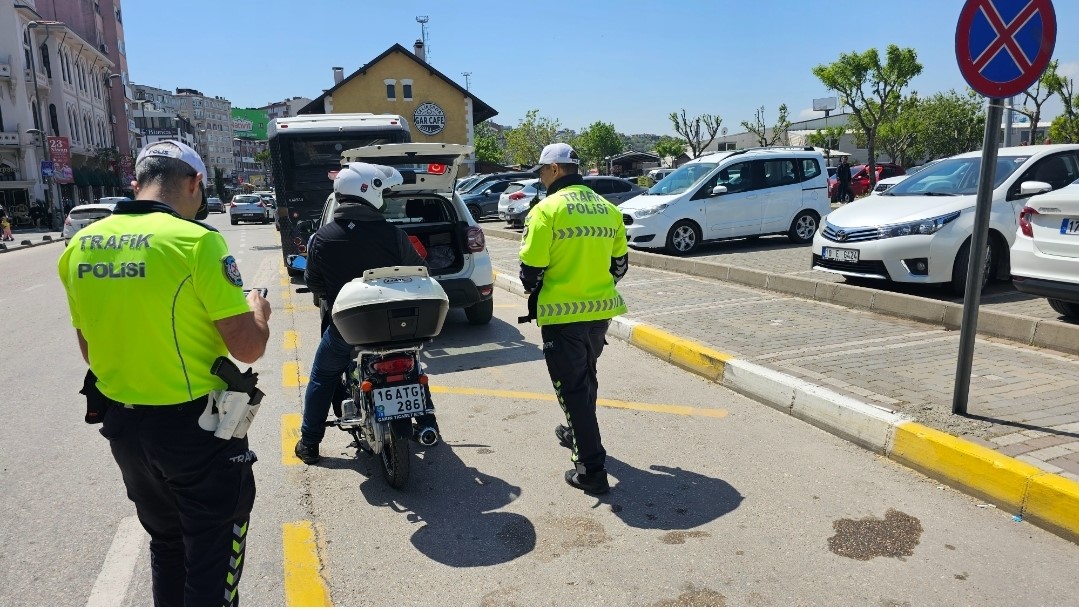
1070, 226
398, 402
842, 255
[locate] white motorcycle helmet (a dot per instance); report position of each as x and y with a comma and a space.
366, 182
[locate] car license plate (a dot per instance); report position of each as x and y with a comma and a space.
398, 402
842, 255
1070, 226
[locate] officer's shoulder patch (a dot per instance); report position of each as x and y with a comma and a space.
231, 270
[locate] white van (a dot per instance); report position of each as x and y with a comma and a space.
744, 193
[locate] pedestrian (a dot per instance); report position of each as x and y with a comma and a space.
183, 309
844, 193
1047, 141
358, 238
5, 225
573, 252
37, 213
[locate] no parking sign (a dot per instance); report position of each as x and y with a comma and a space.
1003, 46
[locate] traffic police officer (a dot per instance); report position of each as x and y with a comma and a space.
155, 299
572, 254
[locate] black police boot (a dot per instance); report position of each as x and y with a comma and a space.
591, 483
564, 434
308, 454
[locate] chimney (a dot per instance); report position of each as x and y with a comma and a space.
338, 75
418, 50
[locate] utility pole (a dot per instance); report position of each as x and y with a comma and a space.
468, 81
422, 20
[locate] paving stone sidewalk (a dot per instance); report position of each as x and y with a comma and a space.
1022, 399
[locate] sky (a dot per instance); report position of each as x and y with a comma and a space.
630, 62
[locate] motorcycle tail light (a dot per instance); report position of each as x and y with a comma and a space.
476, 241
367, 386
393, 366
423, 380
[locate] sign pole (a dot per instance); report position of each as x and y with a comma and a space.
976, 265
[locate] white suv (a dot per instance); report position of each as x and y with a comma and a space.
433, 215
1045, 255
919, 230
757, 191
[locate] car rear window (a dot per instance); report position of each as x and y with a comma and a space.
413, 210
89, 214
246, 199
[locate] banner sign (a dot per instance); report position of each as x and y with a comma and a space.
60, 151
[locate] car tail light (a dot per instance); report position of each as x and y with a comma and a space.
67, 221
517, 196
297, 241
1024, 221
393, 366
476, 241
232, 205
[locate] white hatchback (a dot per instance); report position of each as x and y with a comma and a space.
1045, 255
919, 230
757, 191
82, 216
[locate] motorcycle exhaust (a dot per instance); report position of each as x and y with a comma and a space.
427, 436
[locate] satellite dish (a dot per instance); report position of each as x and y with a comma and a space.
723, 131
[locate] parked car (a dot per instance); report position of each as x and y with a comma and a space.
483, 202
214, 204
463, 184
1045, 255
660, 173
518, 199
859, 181
921, 234
82, 216
481, 185
249, 208
436, 219
743, 193
615, 190
886, 183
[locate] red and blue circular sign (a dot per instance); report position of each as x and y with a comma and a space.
1004, 46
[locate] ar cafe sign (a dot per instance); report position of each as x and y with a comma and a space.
429, 119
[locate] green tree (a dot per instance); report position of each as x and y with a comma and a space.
263, 157
1065, 128
770, 137
219, 183
525, 142
951, 123
670, 147
596, 142
691, 130
900, 136
828, 138
1048, 85
488, 146
870, 89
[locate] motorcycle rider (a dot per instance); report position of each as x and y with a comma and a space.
357, 239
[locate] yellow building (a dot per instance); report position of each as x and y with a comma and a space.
401, 82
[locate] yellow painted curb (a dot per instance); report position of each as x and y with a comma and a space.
964, 464
1053, 502
304, 585
684, 353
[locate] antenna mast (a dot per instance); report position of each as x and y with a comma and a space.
468, 81
422, 20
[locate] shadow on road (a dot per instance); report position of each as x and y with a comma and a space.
667, 498
463, 347
456, 504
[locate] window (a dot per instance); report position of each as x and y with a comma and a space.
1058, 171
810, 169
119, 16
391, 89
53, 121
738, 178
1, 118
37, 116
406, 89
779, 172
46, 62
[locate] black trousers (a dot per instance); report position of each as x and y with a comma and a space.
844, 192
571, 351
193, 493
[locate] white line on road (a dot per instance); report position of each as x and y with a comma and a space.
34, 287
111, 584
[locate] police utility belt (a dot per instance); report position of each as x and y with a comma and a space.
227, 413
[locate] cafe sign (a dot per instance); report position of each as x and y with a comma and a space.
429, 119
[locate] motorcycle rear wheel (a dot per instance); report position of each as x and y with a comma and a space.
395, 457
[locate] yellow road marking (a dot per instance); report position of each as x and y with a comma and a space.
304, 585
290, 375
292, 339
603, 402
290, 433
284, 280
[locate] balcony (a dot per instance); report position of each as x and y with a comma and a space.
42, 80
9, 138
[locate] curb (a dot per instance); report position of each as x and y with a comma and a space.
1047, 500
1049, 334
23, 246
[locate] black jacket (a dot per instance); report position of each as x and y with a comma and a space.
842, 173
359, 238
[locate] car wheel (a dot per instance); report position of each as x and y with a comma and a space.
475, 211
234, 221
803, 227
962, 261
1064, 308
480, 313
683, 238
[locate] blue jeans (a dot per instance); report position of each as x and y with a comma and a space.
331, 361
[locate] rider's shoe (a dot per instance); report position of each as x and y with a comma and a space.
594, 483
308, 454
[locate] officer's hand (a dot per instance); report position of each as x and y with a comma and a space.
258, 304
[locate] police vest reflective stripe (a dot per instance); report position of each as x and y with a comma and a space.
573, 234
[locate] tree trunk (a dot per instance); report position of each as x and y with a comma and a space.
872, 165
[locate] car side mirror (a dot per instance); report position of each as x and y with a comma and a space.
1033, 187
719, 190
488, 192
296, 262
304, 226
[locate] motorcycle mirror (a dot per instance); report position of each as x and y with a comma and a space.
296, 262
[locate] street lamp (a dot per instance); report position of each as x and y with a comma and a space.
49, 199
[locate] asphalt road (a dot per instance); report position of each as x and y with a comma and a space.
716, 499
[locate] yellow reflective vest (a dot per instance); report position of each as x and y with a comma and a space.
573, 235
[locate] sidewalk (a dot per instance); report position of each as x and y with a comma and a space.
34, 236
1022, 399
